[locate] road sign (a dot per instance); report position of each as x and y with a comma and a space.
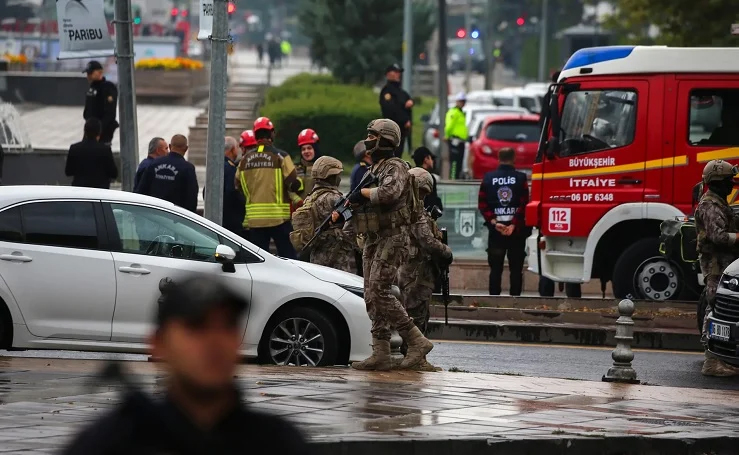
735, 29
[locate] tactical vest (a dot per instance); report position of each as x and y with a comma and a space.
704, 244
381, 220
306, 219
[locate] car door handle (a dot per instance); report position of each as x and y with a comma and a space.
19, 257
628, 181
135, 270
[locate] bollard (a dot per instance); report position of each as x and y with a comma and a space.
621, 371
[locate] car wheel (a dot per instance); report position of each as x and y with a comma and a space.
299, 336
641, 272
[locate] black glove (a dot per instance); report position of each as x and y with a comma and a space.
448, 261
357, 198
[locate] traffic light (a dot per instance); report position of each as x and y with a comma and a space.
136, 15
173, 15
520, 21
231, 8
461, 33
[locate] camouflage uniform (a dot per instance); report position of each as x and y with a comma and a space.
332, 248
385, 220
717, 241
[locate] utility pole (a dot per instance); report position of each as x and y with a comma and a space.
407, 45
217, 113
468, 45
543, 39
128, 132
443, 90
489, 41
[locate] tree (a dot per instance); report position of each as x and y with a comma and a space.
680, 22
357, 39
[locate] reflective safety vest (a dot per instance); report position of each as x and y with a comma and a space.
262, 176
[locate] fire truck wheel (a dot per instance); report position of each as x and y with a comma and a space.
641, 272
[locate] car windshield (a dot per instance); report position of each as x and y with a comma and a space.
513, 131
458, 47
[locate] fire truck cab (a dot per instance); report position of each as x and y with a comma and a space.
626, 136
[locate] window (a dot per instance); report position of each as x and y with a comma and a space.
597, 120
714, 117
143, 230
11, 229
529, 103
513, 131
64, 224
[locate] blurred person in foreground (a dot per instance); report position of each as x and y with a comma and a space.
90, 163
198, 336
424, 159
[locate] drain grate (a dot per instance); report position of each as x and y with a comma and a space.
671, 423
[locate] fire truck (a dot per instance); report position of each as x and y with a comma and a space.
626, 136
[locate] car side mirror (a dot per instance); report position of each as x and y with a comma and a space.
225, 256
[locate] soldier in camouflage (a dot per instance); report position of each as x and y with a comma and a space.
717, 245
416, 278
332, 248
383, 216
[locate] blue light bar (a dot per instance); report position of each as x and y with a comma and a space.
475, 34
589, 56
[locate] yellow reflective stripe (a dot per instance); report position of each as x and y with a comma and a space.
302, 185
243, 185
278, 185
260, 148
605, 170
730, 153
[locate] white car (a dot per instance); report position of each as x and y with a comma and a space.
80, 269
508, 97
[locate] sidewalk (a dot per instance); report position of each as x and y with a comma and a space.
344, 411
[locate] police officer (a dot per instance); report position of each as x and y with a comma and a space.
171, 177
717, 246
455, 133
101, 101
396, 105
504, 194
384, 216
198, 336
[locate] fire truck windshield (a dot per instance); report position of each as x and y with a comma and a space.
596, 120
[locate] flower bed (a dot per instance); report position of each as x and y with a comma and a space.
169, 64
180, 80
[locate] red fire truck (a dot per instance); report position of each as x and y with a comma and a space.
626, 137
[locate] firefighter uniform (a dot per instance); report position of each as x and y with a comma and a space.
266, 176
503, 196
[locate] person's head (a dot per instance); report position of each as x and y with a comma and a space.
383, 137
199, 333
361, 154
461, 99
308, 143
555, 76
394, 72
93, 128
719, 176
327, 169
94, 71
247, 141
264, 130
178, 144
423, 157
507, 155
157, 147
424, 180
231, 148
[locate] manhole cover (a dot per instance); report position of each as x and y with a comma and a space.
667, 422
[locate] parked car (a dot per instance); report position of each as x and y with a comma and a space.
432, 122
509, 97
723, 324
521, 132
81, 267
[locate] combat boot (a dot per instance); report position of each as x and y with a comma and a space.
418, 347
717, 368
380, 360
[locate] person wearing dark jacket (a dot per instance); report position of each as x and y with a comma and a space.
364, 161
396, 105
198, 335
101, 101
157, 147
171, 177
423, 158
234, 203
503, 196
90, 163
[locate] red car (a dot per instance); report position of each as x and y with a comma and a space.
521, 132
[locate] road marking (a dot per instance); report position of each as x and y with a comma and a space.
564, 346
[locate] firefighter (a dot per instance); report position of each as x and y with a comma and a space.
308, 143
266, 176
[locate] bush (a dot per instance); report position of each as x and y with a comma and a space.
310, 79
339, 114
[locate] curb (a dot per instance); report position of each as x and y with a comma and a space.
597, 444
573, 334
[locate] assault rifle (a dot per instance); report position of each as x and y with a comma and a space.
342, 207
434, 212
445, 279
